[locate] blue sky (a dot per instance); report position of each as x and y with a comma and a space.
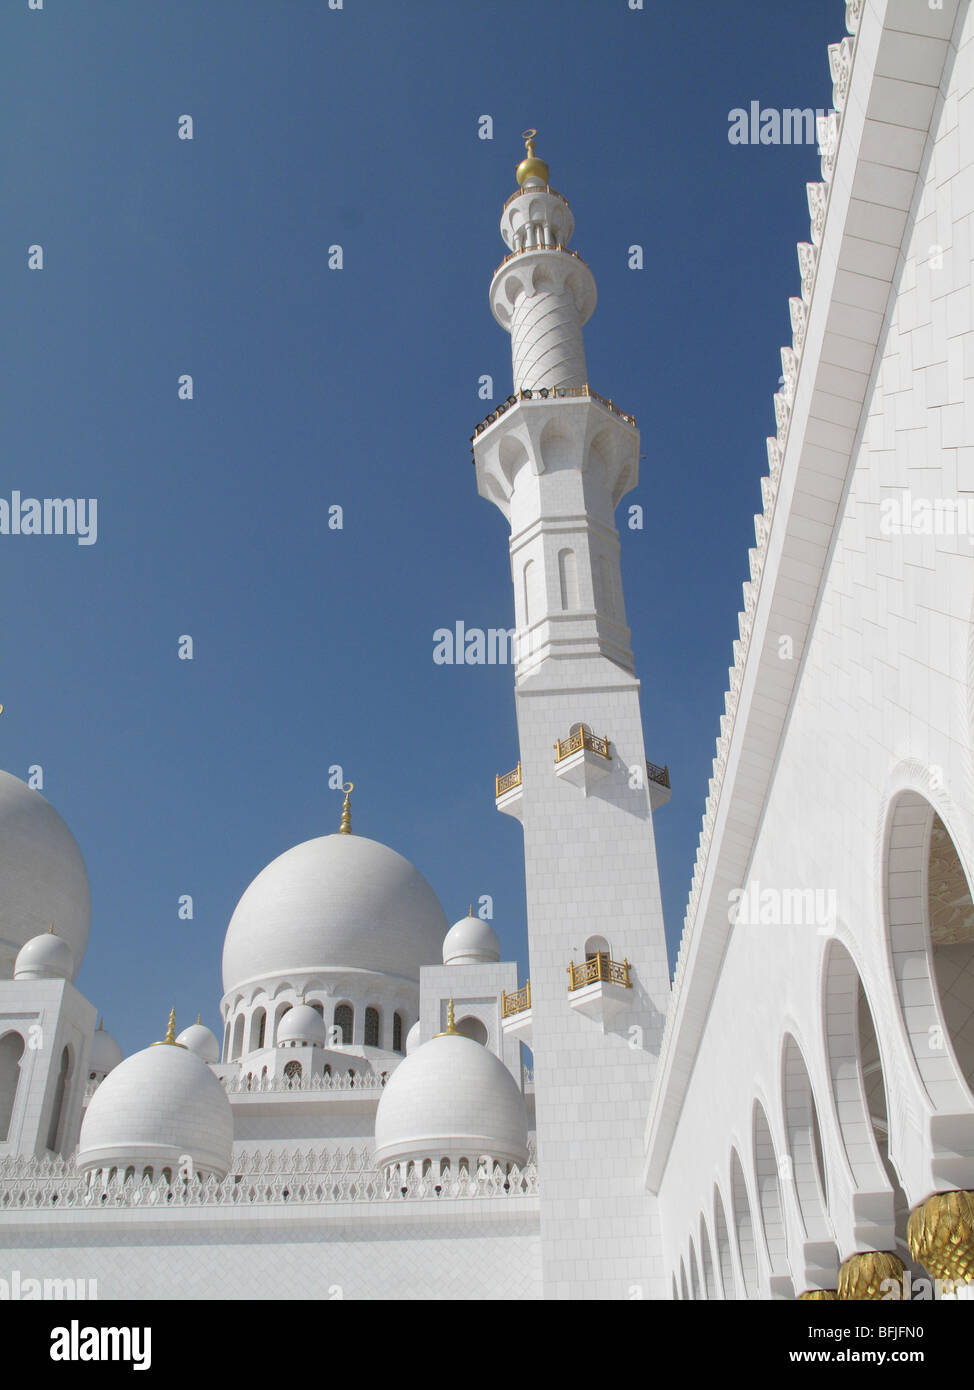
316, 387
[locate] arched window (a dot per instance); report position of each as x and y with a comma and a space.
471, 1027
257, 1025
318, 1007
226, 1043
371, 1027
397, 1032
597, 948
11, 1051
238, 1033
327, 1071
59, 1092
344, 1018
293, 1072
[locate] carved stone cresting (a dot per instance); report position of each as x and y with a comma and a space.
818, 201
840, 65
828, 129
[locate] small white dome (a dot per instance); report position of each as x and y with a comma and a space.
337, 902
104, 1054
199, 1039
46, 957
42, 872
304, 1025
412, 1038
451, 1098
156, 1106
471, 940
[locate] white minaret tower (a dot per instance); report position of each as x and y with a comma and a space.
556, 458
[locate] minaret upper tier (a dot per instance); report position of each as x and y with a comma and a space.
542, 292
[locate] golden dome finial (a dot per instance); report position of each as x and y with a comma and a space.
199, 1019
101, 1024
451, 1025
531, 167
346, 826
50, 930
170, 1038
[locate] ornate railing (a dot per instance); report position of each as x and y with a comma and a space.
660, 775
600, 967
546, 393
508, 782
516, 1002
272, 1179
339, 1081
520, 192
581, 738
524, 250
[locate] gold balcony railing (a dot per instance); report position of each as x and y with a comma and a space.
600, 967
547, 393
508, 782
516, 1002
578, 739
520, 192
660, 775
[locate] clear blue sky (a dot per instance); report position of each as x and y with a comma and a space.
357, 387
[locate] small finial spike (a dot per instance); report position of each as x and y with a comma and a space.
451, 1026
199, 1018
171, 1030
470, 910
50, 930
346, 824
101, 1024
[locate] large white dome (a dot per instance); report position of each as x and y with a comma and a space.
340, 901
42, 875
451, 1098
154, 1107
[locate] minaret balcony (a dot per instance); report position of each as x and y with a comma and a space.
600, 988
545, 393
516, 1013
659, 785
507, 793
583, 758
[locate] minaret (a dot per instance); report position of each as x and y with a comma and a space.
556, 458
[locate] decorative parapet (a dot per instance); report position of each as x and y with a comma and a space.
508, 782
547, 393
273, 1179
581, 738
516, 1002
338, 1081
829, 128
600, 967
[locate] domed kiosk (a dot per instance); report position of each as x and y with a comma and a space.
152, 1110
471, 941
451, 1099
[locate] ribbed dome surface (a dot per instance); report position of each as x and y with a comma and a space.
338, 901
42, 875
